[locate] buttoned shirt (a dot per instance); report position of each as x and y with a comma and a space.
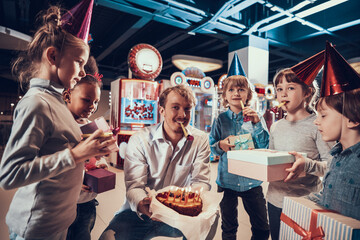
228, 123
152, 161
341, 190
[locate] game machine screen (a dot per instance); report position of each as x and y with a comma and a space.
203, 114
134, 101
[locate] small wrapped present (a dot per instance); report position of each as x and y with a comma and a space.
100, 180
303, 219
261, 164
100, 123
242, 142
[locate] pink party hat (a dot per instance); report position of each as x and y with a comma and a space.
77, 20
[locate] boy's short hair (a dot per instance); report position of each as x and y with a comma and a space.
236, 81
182, 90
346, 103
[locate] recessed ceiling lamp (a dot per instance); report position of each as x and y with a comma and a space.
204, 64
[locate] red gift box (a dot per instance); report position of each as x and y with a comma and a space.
100, 180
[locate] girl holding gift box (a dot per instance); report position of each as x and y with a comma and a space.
239, 119
43, 157
82, 101
339, 120
296, 132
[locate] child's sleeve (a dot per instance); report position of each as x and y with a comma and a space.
260, 134
318, 167
215, 137
24, 161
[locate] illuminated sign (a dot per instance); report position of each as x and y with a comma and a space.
193, 82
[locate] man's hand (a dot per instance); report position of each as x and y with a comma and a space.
297, 167
144, 205
225, 144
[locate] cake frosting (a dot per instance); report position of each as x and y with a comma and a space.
185, 203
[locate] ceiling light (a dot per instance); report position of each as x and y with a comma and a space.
204, 64
320, 7
274, 9
314, 26
230, 22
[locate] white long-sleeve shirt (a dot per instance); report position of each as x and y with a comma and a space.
152, 161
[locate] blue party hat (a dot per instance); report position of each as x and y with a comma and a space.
235, 67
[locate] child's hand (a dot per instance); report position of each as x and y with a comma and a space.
297, 167
85, 188
225, 144
93, 146
254, 117
102, 165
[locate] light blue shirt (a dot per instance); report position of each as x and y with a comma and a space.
228, 123
342, 182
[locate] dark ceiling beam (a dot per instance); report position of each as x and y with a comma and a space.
167, 64
223, 24
286, 55
125, 36
125, 7
235, 8
174, 41
204, 45
168, 9
256, 26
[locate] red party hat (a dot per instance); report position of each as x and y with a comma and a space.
307, 70
77, 20
338, 75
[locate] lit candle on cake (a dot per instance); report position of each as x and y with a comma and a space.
170, 190
198, 198
175, 193
196, 194
186, 195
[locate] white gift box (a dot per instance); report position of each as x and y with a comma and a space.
261, 164
304, 219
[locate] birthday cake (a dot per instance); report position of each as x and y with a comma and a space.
184, 202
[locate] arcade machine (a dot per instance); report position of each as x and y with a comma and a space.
134, 102
203, 114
